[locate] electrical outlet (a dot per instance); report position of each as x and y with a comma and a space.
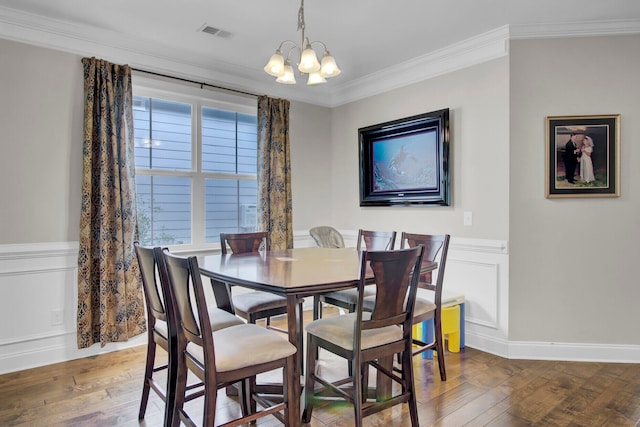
56, 317
468, 218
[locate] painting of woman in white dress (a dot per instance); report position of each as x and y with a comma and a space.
586, 165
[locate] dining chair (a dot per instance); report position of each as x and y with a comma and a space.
220, 358
436, 248
327, 237
347, 299
162, 328
254, 305
363, 338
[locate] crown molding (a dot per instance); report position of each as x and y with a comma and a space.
484, 47
87, 40
576, 29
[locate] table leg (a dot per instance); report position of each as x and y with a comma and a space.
294, 329
384, 383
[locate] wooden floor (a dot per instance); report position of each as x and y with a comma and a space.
481, 390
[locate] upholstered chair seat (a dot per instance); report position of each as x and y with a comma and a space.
247, 303
246, 345
339, 331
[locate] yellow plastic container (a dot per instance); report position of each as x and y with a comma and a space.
416, 330
451, 327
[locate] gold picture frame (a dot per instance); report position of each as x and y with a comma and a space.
582, 156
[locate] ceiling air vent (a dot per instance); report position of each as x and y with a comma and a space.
216, 32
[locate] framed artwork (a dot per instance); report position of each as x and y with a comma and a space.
406, 161
582, 156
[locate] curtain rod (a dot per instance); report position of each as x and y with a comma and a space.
202, 84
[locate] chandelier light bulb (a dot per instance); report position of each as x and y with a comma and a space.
308, 60
287, 76
316, 78
275, 66
329, 68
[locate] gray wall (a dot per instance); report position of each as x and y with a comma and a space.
311, 168
40, 143
573, 272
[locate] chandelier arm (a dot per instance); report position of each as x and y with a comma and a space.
324, 46
287, 41
294, 46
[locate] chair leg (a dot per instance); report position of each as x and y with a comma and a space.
252, 390
440, 347
172, 379
148, 373
301, 335
247, 403
364, 374
357, 392
288, 391
181, 389
210, 400
409, 387
309, 385
317, 307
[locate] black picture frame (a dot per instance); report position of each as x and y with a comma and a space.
406, 161
595, 160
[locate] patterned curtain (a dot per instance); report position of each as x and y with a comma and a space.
110, 300
274, 171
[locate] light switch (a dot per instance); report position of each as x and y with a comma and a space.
468, 218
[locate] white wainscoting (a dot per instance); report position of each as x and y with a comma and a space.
38, 307
479, 270
39, 293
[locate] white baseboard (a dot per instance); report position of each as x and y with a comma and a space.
41, 351
574, 352
577, 352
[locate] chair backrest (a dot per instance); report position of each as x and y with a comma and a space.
153, 292
396, 276
376, 240
193, 319
241, 243
327, 237
436, 248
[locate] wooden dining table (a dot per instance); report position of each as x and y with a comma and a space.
295, 274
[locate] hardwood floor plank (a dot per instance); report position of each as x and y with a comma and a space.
488, 401
481, 390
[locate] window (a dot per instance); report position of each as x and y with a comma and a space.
196, 165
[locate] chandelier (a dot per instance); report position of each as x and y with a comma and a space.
317, 71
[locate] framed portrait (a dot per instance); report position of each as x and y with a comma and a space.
406, 161
582, 156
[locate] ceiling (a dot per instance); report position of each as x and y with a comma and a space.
378, 44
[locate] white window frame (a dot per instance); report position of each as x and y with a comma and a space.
198, 98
